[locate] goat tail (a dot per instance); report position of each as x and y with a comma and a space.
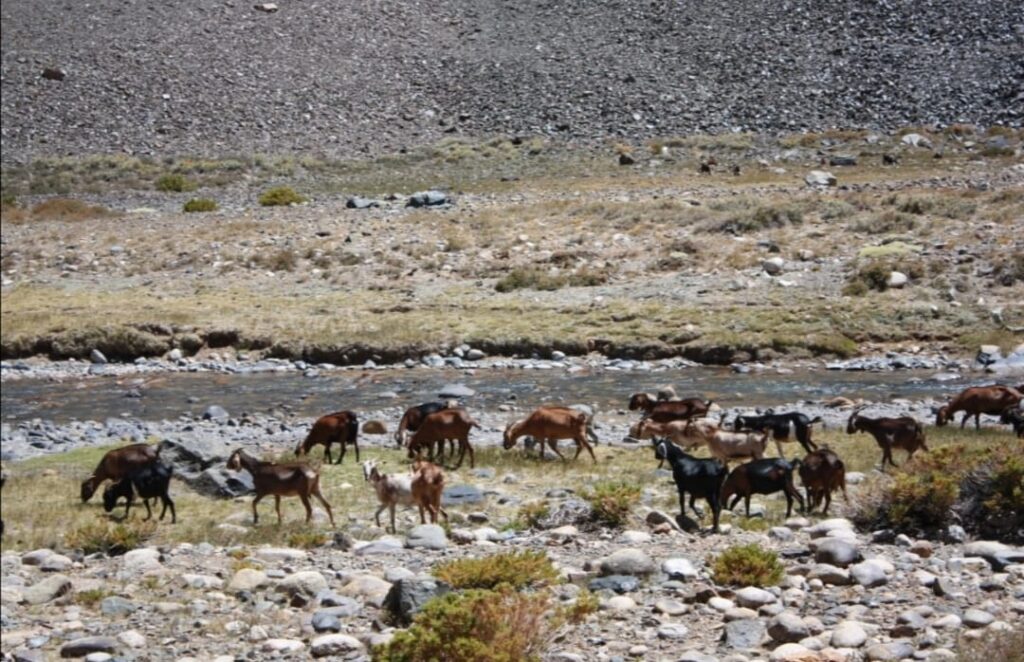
816, 419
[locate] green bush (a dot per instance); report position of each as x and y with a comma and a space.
747, 565
612, 501
175, 184
280, 196
517, 569
199, 205
477, 626
980, 488
307, 539
110, 539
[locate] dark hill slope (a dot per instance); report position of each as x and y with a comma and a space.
338, 77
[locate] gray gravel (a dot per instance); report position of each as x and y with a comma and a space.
172, 78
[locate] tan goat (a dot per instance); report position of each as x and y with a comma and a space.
547, 425
726, 445
427, 488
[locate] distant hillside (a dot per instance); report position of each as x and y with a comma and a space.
347, 77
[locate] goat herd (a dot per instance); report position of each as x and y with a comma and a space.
673, 426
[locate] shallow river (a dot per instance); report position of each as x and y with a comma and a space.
167, 396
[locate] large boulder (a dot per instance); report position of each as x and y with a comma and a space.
428, 199
46, 590
427, 536
407, 596
200, 463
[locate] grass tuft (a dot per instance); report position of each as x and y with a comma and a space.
109, 538
174, 183
280, 196
747, 565
516, 569
196, 205
613, 501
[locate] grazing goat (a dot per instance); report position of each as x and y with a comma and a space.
117, 464
427, 488
1015, 417
780, 425
903, 432
150, 482
668, 410
699, 478
822, 472
726, 445
976, 401
441, 425
340, 427
761, 477
413, 417
392, 490
547, 425
292, 479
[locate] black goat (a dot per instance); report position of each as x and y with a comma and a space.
1015, 417
701, 478
149, 482
762, 477
780, 426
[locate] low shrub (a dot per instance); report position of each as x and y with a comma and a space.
762, 217
174, 184
1009, 269
280, 196
196, 205
91, 596
67, 209
478, 626
874, 275
982, 489
747, 565
107, 538
516, 569
531, 513
529, 278
888, 221
284, 259
612, 501
307, 539
585, 604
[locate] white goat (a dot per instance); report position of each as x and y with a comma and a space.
726, 445
392, 490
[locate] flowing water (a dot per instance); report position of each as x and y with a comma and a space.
170, 395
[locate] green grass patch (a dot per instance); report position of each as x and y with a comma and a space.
174, 183
747, 565
199, 205
613, 501
516, 569
280, 196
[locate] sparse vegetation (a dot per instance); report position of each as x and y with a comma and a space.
280, 196
531, 513
747, 565
516, 569
484, 626
67, 209
174, 183
996, 644
308, 539
981, 488
91, 597
107, 538
613, 501
197, 205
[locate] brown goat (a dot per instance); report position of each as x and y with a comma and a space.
340, 427
547, 425
822, 472
765, 476
978, 400
903, 432
117, 464
291, 479
668, 410
427, 488
441, 425
673, 431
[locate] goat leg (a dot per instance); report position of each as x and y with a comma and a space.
309, 508
149, 511
256, 515
327, 506
277, 507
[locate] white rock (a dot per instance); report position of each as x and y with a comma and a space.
897, 279
279, 554
754, 597
335, 644
848, 634
820, 178
283, 645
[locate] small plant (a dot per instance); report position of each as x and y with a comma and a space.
281, 196
516, 569
477, 626
174, 184
91, 596
111, 539
529, 278
613, 501
585, 604
307, 539
1002, 645
531, 513
284, 259
199, 205
747, 565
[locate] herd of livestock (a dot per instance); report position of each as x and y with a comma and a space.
674, 427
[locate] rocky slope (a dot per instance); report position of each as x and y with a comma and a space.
323, 77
